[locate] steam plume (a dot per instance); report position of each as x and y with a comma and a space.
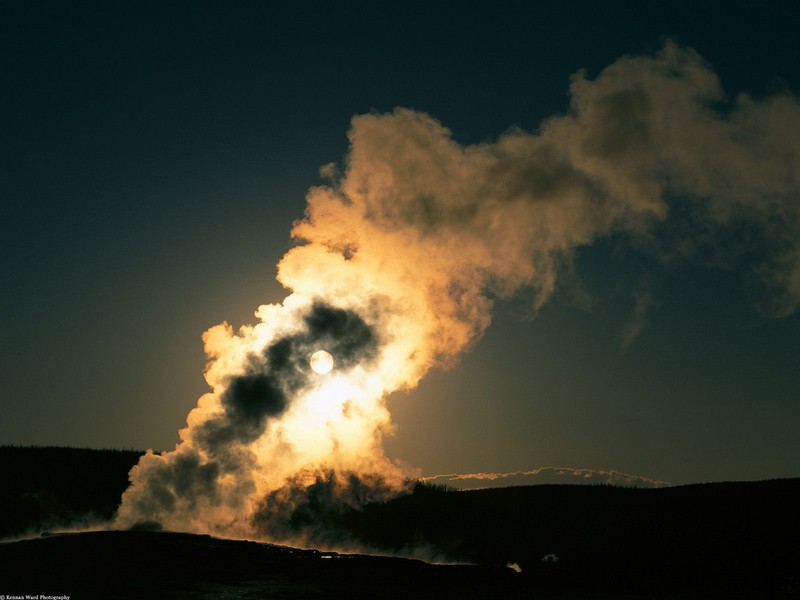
399, 260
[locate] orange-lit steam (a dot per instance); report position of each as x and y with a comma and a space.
398, 262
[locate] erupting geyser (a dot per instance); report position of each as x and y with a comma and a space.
321, 362
400, 259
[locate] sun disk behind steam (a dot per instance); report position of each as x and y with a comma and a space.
322, 362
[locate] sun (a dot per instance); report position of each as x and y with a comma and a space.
322, 362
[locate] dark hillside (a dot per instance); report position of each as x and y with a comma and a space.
740, 538
48, 487
121, 565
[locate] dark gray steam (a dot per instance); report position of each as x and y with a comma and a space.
274, 376
313, 508
270, 381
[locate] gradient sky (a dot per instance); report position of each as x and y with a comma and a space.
154, 159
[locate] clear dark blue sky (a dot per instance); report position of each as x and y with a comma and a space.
154, 158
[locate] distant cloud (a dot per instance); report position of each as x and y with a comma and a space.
544, 475
642, 299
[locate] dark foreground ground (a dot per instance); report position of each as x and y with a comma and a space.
737, 540
126, 564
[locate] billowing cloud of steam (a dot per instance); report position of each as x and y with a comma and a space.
399, 259
271, 421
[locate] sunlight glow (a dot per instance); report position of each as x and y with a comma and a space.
322, 362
